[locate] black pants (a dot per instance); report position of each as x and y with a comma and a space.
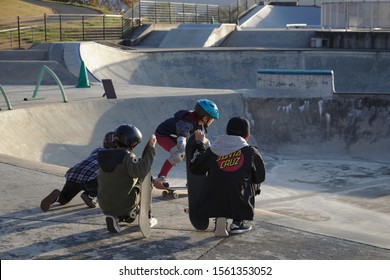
71, 189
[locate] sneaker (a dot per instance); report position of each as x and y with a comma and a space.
112, 224
239, 227
50, 199
221, 227
88, 200
153, 222
161, 183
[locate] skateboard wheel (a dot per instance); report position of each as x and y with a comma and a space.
175, 195
164, 193
133, 214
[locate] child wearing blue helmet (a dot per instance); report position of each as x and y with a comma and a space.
172, 134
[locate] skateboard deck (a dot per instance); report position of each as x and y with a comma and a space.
195, 186
145, 206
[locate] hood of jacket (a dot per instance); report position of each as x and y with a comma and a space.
227, 144
108, 159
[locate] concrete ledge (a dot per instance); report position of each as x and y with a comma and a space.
290, 82
201, 35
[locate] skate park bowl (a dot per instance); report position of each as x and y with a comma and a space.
327, 154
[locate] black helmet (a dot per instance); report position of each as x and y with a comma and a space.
127, 136
205, 107
108, 141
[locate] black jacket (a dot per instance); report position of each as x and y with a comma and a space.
234, 172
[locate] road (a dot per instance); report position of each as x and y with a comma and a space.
59, 8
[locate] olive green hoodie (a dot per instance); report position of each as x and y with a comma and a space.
119, 171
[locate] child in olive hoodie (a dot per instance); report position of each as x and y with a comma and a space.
119, 171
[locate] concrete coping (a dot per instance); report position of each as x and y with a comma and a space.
199, 26
293, 83
295, 72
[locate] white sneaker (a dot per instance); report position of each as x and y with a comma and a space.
161, 183
239, 227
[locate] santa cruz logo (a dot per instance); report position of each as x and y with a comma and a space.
231, 162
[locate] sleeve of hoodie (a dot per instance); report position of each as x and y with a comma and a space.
200, 159
139, 168
258, 168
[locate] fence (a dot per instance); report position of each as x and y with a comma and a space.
356, 15
23, 32
172, 12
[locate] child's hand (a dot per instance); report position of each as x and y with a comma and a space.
152, 140
199, 135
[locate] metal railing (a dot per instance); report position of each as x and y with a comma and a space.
356, 15
23, 32
149, 12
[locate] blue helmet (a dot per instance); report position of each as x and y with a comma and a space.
205, 107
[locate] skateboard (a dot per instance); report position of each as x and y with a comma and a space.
195, 186
145, 208
172, 191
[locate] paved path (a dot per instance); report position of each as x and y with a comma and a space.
59, 8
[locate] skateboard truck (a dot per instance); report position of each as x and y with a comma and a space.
171, 193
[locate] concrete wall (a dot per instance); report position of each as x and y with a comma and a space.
295, 83
343, 126
354, 71
333, 128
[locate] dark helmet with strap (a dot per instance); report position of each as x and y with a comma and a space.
127, 136
205, 107
108, 141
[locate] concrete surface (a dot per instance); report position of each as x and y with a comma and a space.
271, 16
310, 208
234, 68
326, 195
197, 35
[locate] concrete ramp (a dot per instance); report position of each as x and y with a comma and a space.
22, 67
233, 68
63, 133
327, 170
27, 72
197, 35
279, 16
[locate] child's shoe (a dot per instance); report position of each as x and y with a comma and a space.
88, 200
112, 224
239, 227
161, 183
50, 199
221, 228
